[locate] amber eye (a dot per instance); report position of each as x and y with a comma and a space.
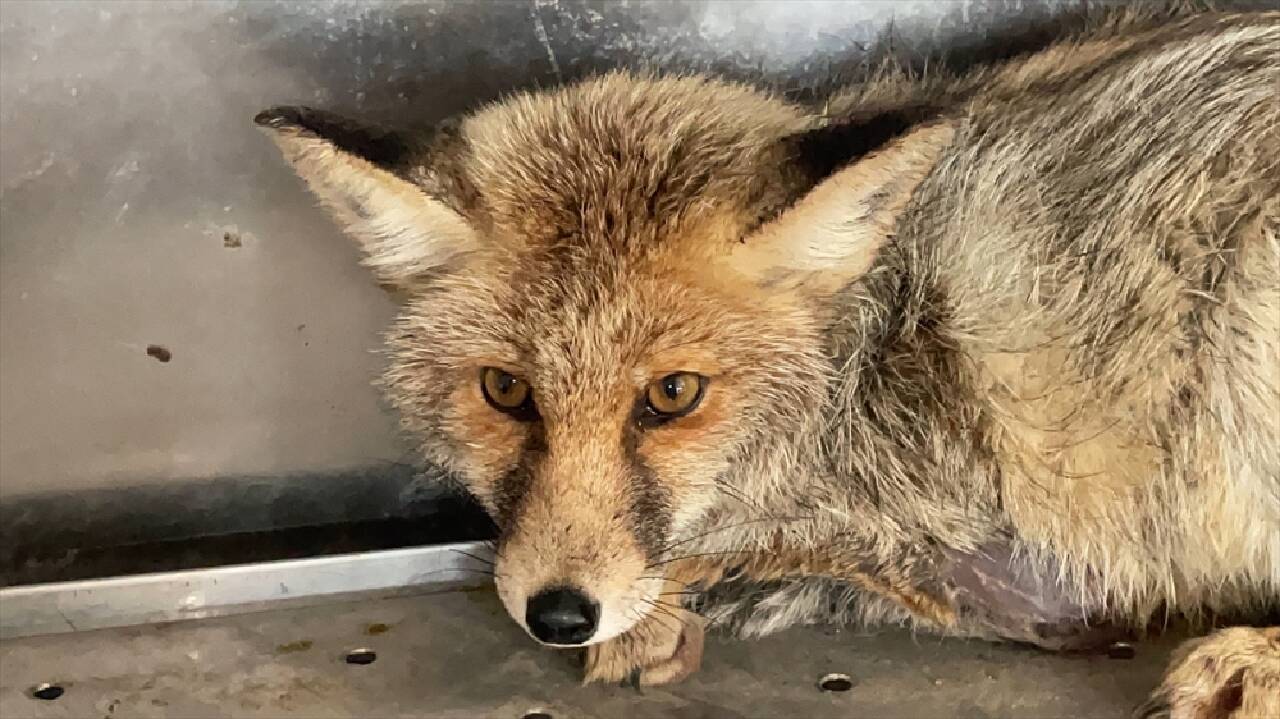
674, 395
505, 391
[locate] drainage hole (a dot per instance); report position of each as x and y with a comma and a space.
361, 656
1122, 650
835, 683
47, 692
536, 715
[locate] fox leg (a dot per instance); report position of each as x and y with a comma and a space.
663, 647
1233, 673
985, 594
666, 645
905, 582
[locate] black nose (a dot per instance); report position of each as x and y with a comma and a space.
561, 616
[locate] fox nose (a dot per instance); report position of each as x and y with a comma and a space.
561, 615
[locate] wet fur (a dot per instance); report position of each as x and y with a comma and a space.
1026, 387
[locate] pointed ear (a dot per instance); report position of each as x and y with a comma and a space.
866, 172
361, 175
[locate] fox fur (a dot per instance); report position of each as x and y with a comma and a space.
995, 354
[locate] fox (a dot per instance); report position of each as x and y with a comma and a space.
989, 354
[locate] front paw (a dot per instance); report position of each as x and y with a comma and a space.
1231, 674
661, 649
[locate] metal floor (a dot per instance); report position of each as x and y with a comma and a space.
457, 654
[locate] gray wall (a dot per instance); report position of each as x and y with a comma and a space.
139, 206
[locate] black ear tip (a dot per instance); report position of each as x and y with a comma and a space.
379, 146
280, 117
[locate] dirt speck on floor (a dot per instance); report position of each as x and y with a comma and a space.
231, 236
301, 645
159, 352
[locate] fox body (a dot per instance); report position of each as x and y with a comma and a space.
995, 354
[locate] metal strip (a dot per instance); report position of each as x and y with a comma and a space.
195, 594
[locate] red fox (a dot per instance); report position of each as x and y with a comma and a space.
991, 355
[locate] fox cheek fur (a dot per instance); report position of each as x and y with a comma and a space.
587, 498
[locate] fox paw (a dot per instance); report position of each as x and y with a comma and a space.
659, 650
1231, 674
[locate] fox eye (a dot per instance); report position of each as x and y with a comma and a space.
507, 393
674, 396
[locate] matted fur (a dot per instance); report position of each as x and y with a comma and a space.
996, 355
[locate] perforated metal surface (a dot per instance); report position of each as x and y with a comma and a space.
458, 655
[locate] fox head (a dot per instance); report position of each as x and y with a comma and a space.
611, 293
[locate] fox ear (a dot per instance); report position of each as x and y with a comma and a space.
406, 228
863, 174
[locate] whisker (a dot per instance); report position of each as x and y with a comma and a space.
657, 622
669, 579
665, 611
466, 570
661, 607
735, 493
712, 624
728, 552
727, 527
482, 560
492, 544
671, 608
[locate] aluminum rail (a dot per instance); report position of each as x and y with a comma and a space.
196, 594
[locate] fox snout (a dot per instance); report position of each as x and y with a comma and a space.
572, 576
568, 609
570, 612
562, 616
